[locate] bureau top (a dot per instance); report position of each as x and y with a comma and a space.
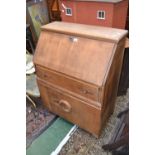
97, 32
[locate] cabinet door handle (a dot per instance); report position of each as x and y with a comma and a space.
65, 105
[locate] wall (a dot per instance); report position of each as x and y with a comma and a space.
71, 5
120, 14
86, 12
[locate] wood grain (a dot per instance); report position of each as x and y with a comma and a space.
70, 84
89, 31
72, 58
112, 81
78, 73
80, 113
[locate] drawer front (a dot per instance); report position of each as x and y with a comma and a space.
74, 110
75, 86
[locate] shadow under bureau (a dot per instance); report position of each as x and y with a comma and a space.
78, 69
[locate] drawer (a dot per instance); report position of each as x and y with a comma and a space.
74, 110
73, 85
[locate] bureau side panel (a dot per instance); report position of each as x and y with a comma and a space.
112, 81
71, 108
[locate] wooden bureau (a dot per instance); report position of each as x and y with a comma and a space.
78, 69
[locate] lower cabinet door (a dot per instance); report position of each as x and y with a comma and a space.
85, 115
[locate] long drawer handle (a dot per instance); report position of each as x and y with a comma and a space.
65, 105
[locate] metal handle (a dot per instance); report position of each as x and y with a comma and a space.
73, 39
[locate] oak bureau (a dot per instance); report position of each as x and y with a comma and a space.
78, 69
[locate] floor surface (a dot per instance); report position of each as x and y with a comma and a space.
83, 143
